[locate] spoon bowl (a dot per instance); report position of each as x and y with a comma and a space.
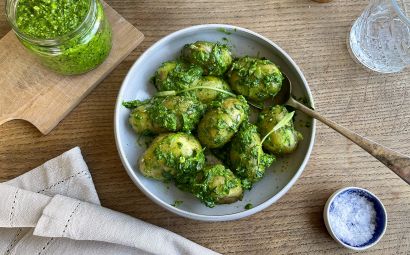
284, 93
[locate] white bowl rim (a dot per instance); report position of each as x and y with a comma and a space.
195, 216
329, 226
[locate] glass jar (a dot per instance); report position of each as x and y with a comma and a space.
77, 51
380, 38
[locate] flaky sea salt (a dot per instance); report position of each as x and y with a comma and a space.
352, 218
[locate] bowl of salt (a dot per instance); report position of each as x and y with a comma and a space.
355, 218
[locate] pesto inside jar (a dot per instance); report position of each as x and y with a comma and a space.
79, 31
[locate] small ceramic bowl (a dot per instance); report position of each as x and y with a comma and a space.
381, 217
277, 180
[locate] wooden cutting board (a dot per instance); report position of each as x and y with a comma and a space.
31, 92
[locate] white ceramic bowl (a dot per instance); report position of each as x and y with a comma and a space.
381, 217
278, 179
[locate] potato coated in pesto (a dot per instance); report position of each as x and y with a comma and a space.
172, 156
165, 114
214, 58
217, 185
207, 95
246, 157
256, 79
285, 139
142, 123
176, 75
222, 121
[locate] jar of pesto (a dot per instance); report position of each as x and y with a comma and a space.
67, 36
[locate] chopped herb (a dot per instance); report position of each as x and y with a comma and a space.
177, 203
248, 206
224, 30
134, 103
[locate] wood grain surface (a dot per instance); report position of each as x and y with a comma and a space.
33, 93
374, 105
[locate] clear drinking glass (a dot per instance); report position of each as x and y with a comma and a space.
380, 37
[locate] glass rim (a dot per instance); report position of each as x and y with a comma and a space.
56, 40
399, 10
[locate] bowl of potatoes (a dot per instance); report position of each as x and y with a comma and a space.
196, 127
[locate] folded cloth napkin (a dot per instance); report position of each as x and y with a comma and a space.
54, 209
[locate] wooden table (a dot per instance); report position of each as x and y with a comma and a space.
376, 106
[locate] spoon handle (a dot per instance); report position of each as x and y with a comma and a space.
398, 163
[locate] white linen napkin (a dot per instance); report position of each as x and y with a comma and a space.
54, 209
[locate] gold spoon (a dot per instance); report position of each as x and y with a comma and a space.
397, 162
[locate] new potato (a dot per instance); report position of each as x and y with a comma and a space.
282, 141
217, 185
176, 75
255, 79
207, 95
214, 58
222, 121
172, 156
166, 114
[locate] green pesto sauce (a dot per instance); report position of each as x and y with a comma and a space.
176, 75
224, 30
185, 165
254, 78
171, 113
183, 113
214, 88
285, 139
210, 190
134, 103
46, 19
221, 121
214, 58
248, 206
177, 203
247, 159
